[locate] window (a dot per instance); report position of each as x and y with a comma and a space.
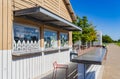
50, 39
64, 39
26, 38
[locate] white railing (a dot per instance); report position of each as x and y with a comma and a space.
26, 46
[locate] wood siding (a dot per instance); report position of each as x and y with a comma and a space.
5, 24
56, 6
30, 66
5, 38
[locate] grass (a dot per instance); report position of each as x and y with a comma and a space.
117, 44
105, 44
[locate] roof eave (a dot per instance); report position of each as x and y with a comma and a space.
70, 9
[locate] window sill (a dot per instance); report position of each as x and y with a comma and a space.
15, 53
66, 47
50, 49
25, 53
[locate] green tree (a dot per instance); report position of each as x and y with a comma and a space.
118, 40
88, 31
106, 39
85, 35
92, 34
76, 36
85, 22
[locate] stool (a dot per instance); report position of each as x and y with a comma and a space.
56, 66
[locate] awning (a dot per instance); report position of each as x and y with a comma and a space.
42, 15
95, 56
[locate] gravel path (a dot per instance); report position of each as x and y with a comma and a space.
112, 66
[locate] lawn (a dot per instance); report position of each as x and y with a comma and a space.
117, 44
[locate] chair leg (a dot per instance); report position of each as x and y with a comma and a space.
55, 73
66, 73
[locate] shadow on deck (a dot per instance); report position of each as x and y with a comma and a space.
72, 73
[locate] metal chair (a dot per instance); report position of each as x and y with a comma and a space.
56, 66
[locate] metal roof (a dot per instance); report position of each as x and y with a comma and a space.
40, 14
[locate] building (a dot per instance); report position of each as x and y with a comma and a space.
99, 39
34, 34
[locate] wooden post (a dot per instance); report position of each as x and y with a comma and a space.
70, 38
42, 36
58, 38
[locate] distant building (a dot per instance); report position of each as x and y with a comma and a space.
99, 38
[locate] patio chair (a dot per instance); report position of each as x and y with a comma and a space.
60, 66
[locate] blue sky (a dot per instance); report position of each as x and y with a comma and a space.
105, 14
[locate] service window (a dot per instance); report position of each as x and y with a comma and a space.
64, 39
26, 38
50, 39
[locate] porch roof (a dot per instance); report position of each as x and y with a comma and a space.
42, 15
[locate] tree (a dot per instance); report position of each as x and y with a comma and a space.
118, 40
106, 39
85, 21
92, 34
76, 36
88, 31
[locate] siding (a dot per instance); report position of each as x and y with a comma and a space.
30, 67
56, 6
5, 24
24, 67
5, 38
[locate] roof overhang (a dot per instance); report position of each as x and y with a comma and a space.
70, 9
40, 14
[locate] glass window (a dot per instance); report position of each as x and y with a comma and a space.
50, 39
64, 39
26, 38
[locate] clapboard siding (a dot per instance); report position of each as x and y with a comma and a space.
5, 24
27, 67
56, 6
52, 5
34, 66
1, 22
63, 10
1, 34
5, 38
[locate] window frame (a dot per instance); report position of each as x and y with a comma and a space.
56, 39
67, 37
28, 26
